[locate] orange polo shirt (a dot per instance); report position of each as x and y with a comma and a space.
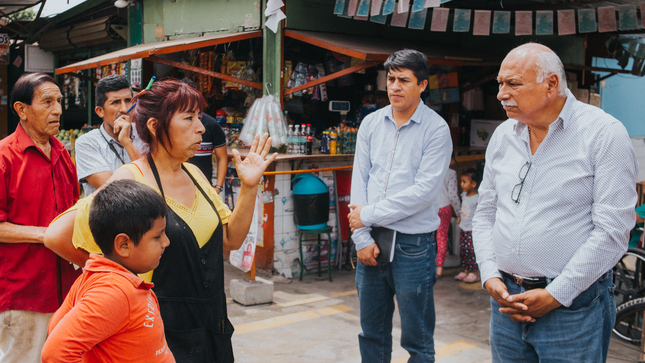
109, 315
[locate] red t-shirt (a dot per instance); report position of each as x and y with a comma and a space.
35, 189
110, 315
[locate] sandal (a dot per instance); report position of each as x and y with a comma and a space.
471, 278
461, 276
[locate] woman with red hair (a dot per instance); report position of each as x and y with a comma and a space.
189, 281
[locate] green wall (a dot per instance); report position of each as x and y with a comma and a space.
189, 18
317, 15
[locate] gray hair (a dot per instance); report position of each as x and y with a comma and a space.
549, 63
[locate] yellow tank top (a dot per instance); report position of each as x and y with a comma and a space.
200, 217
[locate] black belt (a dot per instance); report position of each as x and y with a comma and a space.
528, 283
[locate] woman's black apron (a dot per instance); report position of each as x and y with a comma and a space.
189, 284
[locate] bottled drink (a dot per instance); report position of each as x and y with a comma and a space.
303, 140
333, 140
324, 143
310, 140
296, 140
289, 139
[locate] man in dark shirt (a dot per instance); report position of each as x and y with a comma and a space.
213, 140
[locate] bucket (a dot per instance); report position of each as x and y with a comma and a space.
310, 202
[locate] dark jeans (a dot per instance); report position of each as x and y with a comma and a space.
411, 277
578, 333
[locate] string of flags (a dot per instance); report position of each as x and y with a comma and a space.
414, 13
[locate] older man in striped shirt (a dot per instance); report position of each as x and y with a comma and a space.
555, 209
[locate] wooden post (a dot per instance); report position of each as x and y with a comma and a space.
250, 276
264, 254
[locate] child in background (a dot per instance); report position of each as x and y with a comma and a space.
449, 197
469, 197
110, 313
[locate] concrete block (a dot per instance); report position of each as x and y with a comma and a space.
249, 293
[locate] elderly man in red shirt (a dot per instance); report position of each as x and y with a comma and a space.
38, 183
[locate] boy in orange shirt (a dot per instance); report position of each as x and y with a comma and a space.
111, 314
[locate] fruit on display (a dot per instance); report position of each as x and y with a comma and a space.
66, 135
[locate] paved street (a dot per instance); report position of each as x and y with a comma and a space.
317, 321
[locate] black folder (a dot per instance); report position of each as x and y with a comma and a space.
385, 239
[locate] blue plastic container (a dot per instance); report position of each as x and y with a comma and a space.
310, 202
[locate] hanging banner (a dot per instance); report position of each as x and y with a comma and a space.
432, 3
586, 20
482, 22
418, 19
607, 19
544, 22
399, 19
388, 7
379, 19
351, 10
4, 48
627, 16
566, 22
376, 7
501, 22
339, 7
461, 20
404, 6
363, 8
418, 5
439, 19
523, 23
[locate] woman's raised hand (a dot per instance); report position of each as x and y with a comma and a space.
250, 170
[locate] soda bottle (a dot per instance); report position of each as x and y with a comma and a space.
303, 140
296, 140
290, 139
310, 140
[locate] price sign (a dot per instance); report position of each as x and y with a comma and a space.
4, 48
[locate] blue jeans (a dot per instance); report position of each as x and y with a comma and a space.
411, 277
578, 333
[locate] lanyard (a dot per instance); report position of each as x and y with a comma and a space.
112, 147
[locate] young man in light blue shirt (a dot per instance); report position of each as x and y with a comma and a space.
402, 154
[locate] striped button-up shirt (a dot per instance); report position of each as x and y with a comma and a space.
576, 206
399, 171
94, 155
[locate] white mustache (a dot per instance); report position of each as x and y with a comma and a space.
508, 104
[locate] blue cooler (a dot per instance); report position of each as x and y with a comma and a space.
310, 202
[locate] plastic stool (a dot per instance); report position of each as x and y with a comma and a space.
326, 230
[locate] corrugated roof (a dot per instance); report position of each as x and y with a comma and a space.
9, 7
158, 48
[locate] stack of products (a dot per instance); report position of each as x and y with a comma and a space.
339, 140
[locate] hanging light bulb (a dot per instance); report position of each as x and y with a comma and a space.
121, 3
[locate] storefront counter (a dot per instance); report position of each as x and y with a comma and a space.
278, 240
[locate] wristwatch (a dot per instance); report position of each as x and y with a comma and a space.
219, 187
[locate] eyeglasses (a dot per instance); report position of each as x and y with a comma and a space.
517, 190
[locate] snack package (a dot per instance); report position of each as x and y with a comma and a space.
234, 69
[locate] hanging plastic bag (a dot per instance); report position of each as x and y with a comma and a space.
265, 116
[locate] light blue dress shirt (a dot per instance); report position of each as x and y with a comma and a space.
398, 172
576, 207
